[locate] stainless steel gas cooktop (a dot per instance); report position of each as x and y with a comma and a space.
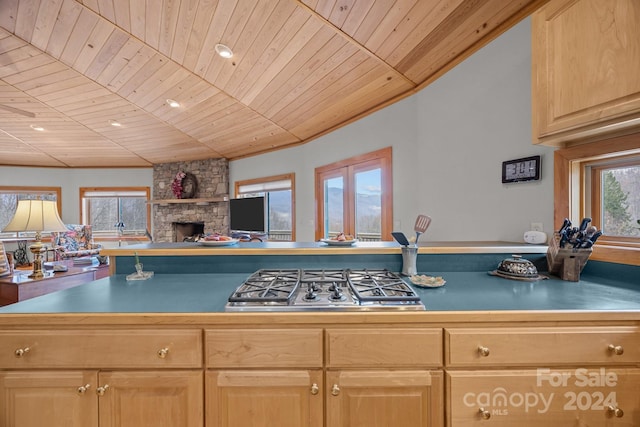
323, 289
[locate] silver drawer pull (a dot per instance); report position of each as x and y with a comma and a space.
335, 390
615, 411
484, 414
616, 349
163, 352
102, 390
483, 351
22, 351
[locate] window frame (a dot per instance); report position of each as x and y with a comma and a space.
291, 177
105, 237
593, 204
570, 191
383, 159
36, 191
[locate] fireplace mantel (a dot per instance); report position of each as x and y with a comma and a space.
200, 201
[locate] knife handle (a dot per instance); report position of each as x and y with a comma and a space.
595, 236
563, 238
585, 222
565, 224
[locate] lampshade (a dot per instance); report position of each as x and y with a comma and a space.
36, 215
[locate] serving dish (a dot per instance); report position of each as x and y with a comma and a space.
331, 242
517, 268
218, 242
424, 281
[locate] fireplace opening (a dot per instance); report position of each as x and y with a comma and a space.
187, 231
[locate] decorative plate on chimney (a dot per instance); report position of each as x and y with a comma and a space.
189, 186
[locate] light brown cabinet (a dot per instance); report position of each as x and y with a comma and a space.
544, 397
101, 378
384, 397
101, 399
264, 398
48, 398
151, 398
585, 58
314, 375
542, 346
373, 377
543, 376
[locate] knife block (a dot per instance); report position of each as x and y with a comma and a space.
567, 263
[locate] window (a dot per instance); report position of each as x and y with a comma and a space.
615, 198
601, 180
9, 197
279, 192
354, 196
116, 212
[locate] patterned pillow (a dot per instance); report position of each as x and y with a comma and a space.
77, 238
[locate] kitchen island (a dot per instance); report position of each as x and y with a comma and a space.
517, 353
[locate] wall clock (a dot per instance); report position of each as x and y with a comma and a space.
518, 170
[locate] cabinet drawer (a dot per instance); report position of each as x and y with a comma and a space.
101, 349
397, 347
300, 348
542, 346
551, 397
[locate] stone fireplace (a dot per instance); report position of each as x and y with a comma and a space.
212, 178
187, 230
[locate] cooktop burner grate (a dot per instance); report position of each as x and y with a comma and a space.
380, 285
271, 286
320, 289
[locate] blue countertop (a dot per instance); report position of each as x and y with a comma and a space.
464, 291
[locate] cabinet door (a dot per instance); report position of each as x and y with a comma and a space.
585, 57
153, 398
384, 398
275, 398
45, 398
544, 397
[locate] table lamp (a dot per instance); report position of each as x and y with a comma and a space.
38, 216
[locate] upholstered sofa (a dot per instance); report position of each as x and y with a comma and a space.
74, 243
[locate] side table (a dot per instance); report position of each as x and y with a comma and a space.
19, 287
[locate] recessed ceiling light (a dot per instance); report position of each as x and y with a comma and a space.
224, 51
37, 127
115, 123
172, 103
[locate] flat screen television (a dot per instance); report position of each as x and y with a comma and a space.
248, 214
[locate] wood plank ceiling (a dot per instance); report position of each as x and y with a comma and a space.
300, 69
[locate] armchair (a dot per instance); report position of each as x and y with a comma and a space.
74, 243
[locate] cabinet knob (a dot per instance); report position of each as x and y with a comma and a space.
314, 389
163, 352
616, 349
335, 390
484, 414
102, 390
483, 351
83, 388
22, 351
615, 411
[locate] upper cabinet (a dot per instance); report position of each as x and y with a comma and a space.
586, 70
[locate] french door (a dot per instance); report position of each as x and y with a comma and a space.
354, 196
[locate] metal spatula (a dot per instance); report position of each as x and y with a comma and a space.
422, 223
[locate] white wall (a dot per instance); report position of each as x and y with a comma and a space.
72, 179
449, 142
